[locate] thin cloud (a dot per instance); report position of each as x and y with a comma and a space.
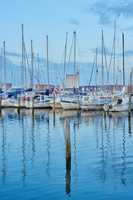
74, 22
17, 55
108, 52
108, 11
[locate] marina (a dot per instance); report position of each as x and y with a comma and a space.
69, 94
66, 100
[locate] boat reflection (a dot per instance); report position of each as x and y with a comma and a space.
110, 133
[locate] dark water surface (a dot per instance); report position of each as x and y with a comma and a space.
66, 155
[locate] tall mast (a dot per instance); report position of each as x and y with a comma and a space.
102, 58
32, 64
65, 55
4, 60
96, 67
114, 75
1, 64
75, 38
47, 46
22, 62
123, 53
38, 68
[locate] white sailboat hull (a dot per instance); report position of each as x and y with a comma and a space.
9, 103
37, 105
56, 105
120, 108
70, 105
91, 107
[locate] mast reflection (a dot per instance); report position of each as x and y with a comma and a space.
68, 155
124, 167
76, 127
48, 146
103, 173
3, 150
33, 135
23, 151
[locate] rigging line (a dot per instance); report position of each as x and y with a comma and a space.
96, 72
79, 53
1, 69
106, 64
112, 52
70, 53
27, 60
38, 69
65, 55
105, 57
94, 64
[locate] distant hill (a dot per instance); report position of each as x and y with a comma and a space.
55, 69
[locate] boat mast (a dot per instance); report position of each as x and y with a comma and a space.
4, 60
38, 68
114, 72
123, 53
102, 58
22, 67
96, 67
75, 38
47, 46
65, 56
32, 65
1, 64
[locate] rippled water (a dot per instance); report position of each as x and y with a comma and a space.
66, 155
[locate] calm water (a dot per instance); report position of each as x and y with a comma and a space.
66, 155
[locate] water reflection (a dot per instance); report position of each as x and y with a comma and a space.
23, 151
68, 155
109, 150
129, 124
123, 171
48, 146
3, 147
33, 136
103, 161
75, 131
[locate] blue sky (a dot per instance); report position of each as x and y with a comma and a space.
55, 17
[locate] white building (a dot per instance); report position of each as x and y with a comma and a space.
72, 81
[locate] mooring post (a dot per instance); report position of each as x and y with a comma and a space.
18, 107
54, 103
32, 107
129, 114
129, 105
68, 155
0, 104
54, 118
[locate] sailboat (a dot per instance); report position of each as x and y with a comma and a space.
71, 102
91, 103
94, 101
119, 105
120, 102
34, 100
